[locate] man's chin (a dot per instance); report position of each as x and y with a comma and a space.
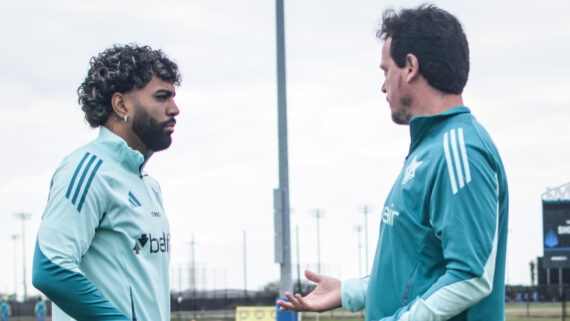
400, 119
161, 145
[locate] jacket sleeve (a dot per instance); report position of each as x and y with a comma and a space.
464, 213
353, 293
75, 206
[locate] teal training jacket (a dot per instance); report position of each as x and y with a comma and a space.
103, 246
442, 244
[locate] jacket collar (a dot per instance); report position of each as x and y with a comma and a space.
116, 148
420, 125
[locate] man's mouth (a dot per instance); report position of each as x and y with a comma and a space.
170, 124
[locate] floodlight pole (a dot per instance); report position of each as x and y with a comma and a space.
24, 217
365, 210
358, 229
300, 289
192, 267
318, 213
283, 234
244, 267
15, 239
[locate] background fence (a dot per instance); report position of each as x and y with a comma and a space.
535, 302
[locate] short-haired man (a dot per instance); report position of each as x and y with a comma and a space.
103, 246
442, 244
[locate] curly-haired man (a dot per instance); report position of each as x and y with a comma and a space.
103, 246
442, 244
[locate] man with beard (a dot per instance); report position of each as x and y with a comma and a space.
103, 246
442, 244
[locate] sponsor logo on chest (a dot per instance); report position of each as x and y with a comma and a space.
389, 214
156, 243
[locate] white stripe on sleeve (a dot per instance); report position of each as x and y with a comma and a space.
456, 158
464, 154
449, 164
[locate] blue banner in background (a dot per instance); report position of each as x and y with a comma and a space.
285, 315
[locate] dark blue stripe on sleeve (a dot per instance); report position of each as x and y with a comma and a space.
71, 291
88, 184
82, 179
75, 175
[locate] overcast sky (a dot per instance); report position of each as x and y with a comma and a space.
344, 151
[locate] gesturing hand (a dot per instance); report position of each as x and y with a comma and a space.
326, 296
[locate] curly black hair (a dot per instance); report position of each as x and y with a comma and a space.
437, 40
120, 69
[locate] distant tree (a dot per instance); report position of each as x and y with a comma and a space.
532, 266
306, 287
271, 289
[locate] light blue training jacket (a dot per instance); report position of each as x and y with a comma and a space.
442, 244
103, 246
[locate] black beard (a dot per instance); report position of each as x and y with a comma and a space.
402, 115
151, 132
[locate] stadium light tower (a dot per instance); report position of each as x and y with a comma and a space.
365, 210
358, 229
192, 267
281, 195
318, 213
15, 239
24, 217
244, 266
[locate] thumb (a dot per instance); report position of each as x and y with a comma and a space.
313, 276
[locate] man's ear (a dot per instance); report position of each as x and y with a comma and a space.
412, 67
118, 102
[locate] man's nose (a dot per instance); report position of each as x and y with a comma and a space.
173, 109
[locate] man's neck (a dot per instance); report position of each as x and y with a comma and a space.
433, 102
124, 131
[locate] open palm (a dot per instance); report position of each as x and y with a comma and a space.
325, 296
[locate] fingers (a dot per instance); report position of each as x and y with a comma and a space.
293, 300
285, 305
301, 301
295, 303
312, 276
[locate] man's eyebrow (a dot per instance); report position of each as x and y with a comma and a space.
165, 92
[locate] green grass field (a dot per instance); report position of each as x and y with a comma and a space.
513, 312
